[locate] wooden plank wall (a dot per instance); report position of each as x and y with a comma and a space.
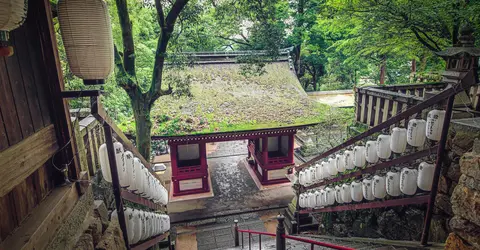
25, 105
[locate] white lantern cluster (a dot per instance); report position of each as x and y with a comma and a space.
142, 225
393, 184
132, 174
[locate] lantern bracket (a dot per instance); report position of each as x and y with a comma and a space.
80, 93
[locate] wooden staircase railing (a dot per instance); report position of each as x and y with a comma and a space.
464, 81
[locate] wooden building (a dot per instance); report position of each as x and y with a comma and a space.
228, 102
36, 144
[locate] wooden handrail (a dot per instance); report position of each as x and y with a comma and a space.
256, 232
318, 243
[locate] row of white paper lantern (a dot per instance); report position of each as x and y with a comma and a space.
393, 184
382, 148
142, 225
132, 174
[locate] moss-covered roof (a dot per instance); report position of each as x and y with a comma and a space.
225, 100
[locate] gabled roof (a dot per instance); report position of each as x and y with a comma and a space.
225, 100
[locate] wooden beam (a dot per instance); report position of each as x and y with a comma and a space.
152, 241
38, 230
22, 159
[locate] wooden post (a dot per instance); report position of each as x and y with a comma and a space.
280, 240
237, 242
291, 147
438, 165
116, 183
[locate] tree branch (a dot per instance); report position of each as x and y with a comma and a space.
422, 41
235, 40
127, 37
121, 75
166, 33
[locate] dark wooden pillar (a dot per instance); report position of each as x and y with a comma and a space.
203, 162
291, 146
174, 166
264, 150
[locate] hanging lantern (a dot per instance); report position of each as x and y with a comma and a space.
371, 152
330, 195
308, 177
301, 178
348, 157
408, 181
137, 226
323, 197
416, 132
301, 199
398, 140
12, 15
359, 156
383, 146
318, 200
324, 167
104, 163
356, 191
340, 163
318, 172
332, 168
435, 120
120, 161
378, 189
313, 174
128, 221
393, 183
128, 156
311, 200
367, 189
345, 193
87, 37
338, 196
425, 176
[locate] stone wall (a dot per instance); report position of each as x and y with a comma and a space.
465, 201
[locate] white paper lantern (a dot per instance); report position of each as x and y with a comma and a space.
12, 15
367, 189
356, 191
378, 189
398, 140
383, 146
301, 199
104, 163
425, 176
128, 156
371, 152
359, 156
318, 172
324, 169
330, 195
313, 174
393, 183
121, 164
311, 200
435, 120
137, 226
345, 193
318, 200
87, 37
128, 221
301, 178
323, 197
332, 168
416, 132
340, 163
348, 156
338, 196
408, 181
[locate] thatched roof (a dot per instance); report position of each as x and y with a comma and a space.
225, 100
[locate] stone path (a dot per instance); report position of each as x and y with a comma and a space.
233, 187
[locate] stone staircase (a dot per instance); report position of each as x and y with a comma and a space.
307, 222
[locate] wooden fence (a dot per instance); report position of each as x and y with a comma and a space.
376, 104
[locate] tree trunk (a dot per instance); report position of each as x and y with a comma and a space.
143, 127
413, 71
383, 66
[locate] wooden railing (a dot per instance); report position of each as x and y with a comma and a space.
382, 118
376, 104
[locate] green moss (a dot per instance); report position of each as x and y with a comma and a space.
224, 100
